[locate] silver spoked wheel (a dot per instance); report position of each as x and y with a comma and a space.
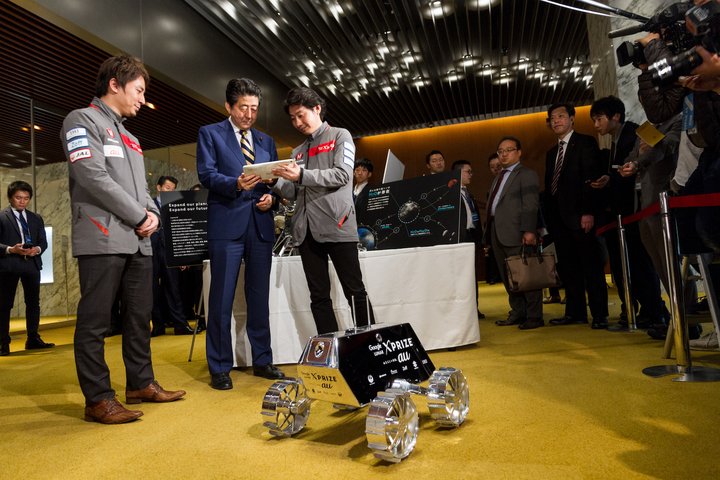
391, 426
448, 397
287, 402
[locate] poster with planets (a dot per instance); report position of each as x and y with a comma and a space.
418, 212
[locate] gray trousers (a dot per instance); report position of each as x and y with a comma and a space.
526, 305
101, 278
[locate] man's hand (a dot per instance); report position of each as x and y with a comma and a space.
628, 170
18, 249
587, 222
247, 182
288, 172
265, 203
529, 238
149, 226
600, 182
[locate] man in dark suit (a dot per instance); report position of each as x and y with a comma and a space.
22, 240
608, 116
570, 167
512, 224
470, 219
240, 227
167, 301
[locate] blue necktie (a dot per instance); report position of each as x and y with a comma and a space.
25, 228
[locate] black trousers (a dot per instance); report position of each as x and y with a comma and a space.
580, 265
167, 310
30, 278
344, 256
100, 278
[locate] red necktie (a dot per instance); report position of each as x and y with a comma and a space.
496, 188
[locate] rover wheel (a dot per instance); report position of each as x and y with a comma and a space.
287, 402
391, 426
448, 397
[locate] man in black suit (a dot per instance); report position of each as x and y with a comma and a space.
361, 173
167, 301
22, 240
608, 116
570, 167
470, 218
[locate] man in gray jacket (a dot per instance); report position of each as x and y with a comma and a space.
324, 224
512, 225
113, 217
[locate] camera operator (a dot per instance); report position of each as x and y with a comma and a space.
705, 80
655, 165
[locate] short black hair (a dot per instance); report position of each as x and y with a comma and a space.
161, 181
512, 139
608, 106
241, 87
306, 97
124, 69
433, 152
493, 156
458, 164
365, 163
568, 106
19, 186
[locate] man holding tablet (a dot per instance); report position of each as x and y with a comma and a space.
240, 228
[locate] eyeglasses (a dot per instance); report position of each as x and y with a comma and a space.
502, 151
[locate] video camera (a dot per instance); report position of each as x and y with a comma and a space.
668, 23
682, 27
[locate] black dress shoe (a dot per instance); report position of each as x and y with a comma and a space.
268, 371
567, 321
221, 381
510, 321
599, 324
36, 343
531, 323
184, 330
4, 350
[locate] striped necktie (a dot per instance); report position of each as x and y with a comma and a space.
27, 238
558, 168
246, 148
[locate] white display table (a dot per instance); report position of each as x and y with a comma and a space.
432, 288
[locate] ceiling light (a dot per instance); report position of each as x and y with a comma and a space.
229, 9
467, 61
437, 8
150, 105
452, 76
271, 24
309, 65
481, 4
487, 70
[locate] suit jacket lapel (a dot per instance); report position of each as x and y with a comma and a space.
259, 141
13, 221
232, 142
511, 176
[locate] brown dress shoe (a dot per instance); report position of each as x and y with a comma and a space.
153, 393
110, 411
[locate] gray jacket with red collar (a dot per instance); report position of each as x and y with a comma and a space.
323, 194
108, 190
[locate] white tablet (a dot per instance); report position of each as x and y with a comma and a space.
264, 170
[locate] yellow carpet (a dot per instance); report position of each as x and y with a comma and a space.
553, 403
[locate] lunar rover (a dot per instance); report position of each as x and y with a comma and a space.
379, 365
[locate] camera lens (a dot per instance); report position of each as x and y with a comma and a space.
669, 69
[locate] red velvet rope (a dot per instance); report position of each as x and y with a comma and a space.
689, 201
